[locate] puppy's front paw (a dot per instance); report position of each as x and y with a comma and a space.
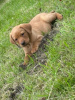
22, 66
34, 50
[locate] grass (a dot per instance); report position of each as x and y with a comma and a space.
56, 79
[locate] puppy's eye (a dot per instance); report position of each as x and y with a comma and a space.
22, 34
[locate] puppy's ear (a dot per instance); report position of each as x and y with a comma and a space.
27, 28
11, 39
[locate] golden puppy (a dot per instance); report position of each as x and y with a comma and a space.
29, 35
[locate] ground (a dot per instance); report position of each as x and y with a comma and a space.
50, 74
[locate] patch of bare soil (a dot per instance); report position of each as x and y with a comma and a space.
15, 91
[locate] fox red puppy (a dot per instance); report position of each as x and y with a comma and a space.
29, 35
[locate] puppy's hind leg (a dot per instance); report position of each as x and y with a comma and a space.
59, 16
49, 17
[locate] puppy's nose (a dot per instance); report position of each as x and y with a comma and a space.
23, 43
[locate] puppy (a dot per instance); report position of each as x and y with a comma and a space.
29, 35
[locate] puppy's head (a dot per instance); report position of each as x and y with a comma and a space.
21, 35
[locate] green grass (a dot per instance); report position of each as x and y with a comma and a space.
56, 79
